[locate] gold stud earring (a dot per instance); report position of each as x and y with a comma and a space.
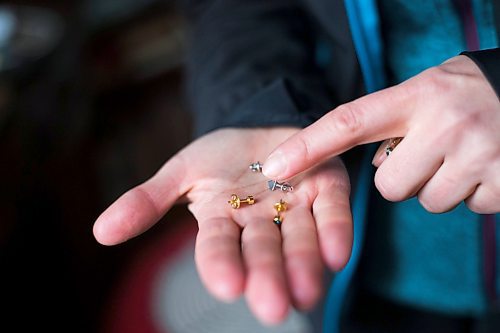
280, 206
236, 202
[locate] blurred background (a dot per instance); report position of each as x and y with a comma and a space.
91, 104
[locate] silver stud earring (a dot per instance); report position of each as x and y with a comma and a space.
256, 167
285, 187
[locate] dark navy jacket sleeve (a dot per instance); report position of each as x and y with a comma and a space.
489, 62
252, 64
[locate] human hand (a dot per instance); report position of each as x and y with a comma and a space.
241, 250
449, 118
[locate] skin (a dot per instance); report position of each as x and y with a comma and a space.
449, 118
241, 252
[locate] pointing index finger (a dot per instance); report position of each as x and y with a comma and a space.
370, 118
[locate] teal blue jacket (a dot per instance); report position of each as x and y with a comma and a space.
433, 271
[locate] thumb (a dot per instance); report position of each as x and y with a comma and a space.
140, 208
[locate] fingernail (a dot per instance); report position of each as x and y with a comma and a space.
379, 157
275, 165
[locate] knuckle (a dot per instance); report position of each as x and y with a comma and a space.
430, 204
390, 187
304, 147
475, 206
437, 80
495, 190
440, 80
486, 200
347, 118
443, 193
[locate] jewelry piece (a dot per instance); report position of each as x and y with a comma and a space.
391, 145
280, 206
278, 220
235, 201
256, 167
273, 184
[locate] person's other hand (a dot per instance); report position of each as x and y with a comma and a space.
241, 251
449, 118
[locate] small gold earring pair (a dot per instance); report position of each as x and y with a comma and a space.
280, 206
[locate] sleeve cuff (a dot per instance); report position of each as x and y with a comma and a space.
488, 61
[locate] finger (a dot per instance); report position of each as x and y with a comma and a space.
332, 212
449, 186
141, 207
484, 200
380, 154
218, 258
302, 256
374, 117
266, 287
384, 150
408, 167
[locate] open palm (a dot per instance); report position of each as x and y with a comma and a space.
241, 251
